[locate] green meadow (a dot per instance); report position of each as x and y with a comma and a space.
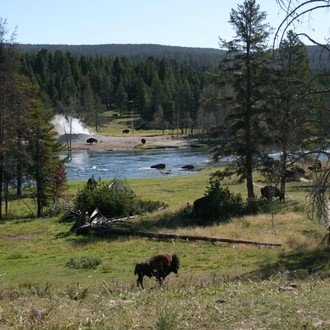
51, 278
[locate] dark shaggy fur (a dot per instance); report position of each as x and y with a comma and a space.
158, 266
269, 192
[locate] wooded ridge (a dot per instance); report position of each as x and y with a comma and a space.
195, 57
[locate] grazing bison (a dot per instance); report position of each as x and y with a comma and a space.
91, 183
158, 266
317, 166
200, 203
312, 168
158, 166
269, 192
300, 171
91, 140
143, 141
290, 175
125, 131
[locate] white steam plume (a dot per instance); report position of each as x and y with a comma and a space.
62, 125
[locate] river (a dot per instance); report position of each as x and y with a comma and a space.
134, 164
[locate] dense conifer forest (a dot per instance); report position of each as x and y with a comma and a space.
167, 87
164, 93
195, 57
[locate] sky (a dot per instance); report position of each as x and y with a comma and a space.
185, 23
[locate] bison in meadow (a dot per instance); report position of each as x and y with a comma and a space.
299, 170
290, 175
201, 203
269, 192
158, 266
317, 166
125, 131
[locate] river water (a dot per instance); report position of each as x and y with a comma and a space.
134, 164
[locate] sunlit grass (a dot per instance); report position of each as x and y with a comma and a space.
233, 285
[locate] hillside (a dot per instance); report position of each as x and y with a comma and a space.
319, 58
196, 57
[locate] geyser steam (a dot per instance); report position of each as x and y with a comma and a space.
69, 125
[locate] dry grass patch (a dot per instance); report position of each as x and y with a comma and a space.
187, 303
291, 230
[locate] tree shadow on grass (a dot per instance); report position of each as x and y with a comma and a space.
166, 221
186, 217
298, 265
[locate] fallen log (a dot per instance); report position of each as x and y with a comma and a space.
182, 237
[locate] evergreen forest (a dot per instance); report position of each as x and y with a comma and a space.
165, 92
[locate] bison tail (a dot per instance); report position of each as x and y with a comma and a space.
136, 270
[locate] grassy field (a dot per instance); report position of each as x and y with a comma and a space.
219, 285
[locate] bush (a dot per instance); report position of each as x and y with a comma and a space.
83, 262
116, 199
220, 204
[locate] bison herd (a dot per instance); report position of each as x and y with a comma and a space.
161, 265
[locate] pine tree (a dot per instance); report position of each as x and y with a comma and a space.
58, 187
247, 68
9, 101
121, 99
41, 147
292, 118
160, 121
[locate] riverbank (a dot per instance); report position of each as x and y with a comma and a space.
126, 142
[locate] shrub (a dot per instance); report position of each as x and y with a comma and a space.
220, 204
84, 262
116, 199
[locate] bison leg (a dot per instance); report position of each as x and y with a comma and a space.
140, 281
160, 279
160, 274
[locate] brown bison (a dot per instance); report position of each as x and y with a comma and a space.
158, 266
290, 175
201, 203
317, 166
269, 192
300, 171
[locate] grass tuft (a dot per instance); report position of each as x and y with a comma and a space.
84, 262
